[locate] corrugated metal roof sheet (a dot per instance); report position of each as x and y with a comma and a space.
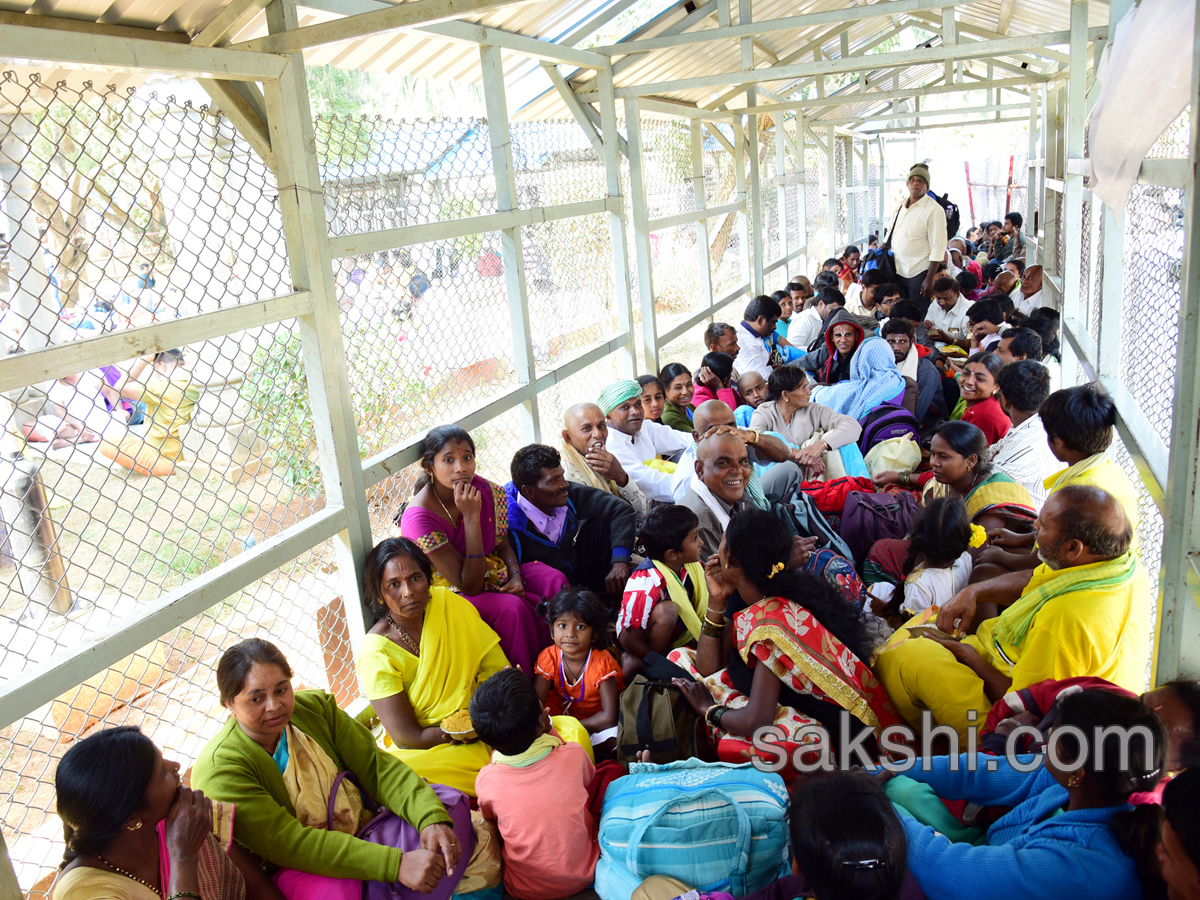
417, 53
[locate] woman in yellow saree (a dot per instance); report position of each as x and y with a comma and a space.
421, 662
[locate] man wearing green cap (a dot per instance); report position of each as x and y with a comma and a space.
635, 442
918, 237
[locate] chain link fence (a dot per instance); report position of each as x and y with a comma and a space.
135, 477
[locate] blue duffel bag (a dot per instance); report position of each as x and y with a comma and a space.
714, 826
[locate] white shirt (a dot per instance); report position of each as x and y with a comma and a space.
805, 328
928, 587
83, 401
1024, 456
854, 302
633, 452
948, 321
919, 237
754, 353
1028, 304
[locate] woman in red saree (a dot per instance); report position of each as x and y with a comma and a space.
779, 647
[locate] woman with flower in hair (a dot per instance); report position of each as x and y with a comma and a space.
778, 646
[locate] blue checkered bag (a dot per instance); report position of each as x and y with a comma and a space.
716, 826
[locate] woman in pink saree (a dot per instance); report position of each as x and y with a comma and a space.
460, 520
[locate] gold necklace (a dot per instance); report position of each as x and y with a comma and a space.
404, 636
449, 518
121, 871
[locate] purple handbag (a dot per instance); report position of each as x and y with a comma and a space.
390, 830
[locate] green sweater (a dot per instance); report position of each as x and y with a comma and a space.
233, 768
674, 417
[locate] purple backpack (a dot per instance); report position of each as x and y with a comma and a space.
868, 518
886, 422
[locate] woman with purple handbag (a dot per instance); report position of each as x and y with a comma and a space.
337, 817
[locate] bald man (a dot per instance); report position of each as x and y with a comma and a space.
717, 490
764, 449
1009, 283
1084, 611
586, 460
1030, 297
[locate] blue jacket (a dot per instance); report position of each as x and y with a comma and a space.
1030, 853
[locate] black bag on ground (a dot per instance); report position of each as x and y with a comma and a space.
655, 716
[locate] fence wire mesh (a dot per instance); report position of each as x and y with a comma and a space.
124, 209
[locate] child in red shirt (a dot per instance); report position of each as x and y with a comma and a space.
550, 849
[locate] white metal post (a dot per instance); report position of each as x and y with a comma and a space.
1112, 285
616, 218
851, 212
743, 215
802, 196
307, 239
884, 222
698, 193
511, 251
831, 161
641, 232
754, 216
1071, 228
781, 189
1179, 612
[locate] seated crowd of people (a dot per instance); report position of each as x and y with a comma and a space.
868, 516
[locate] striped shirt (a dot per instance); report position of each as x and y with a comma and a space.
644, 590
1024, 456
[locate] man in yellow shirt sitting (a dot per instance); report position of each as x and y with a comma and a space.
1079, 423
1084, 611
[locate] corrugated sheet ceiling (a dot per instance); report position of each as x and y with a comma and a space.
417, 53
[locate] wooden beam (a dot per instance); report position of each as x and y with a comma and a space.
1004, 16
249, 121
972, 110
470, 33
918, 57
403, 15
686, 110
874, 131
57, 360
82, 26
789, 23
232, 18
375, 241
29, 45
576, 107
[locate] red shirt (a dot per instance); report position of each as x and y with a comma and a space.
989, 415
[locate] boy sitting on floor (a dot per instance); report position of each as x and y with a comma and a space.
550, 849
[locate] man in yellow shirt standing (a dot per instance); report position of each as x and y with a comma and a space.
1084, 611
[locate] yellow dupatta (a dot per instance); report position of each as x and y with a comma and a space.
448, 667
309, 777
688, 614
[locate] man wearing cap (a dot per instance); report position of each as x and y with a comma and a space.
637, 443
918, 236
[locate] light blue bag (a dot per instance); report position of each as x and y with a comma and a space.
715, 826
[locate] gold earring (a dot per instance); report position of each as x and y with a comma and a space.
135, 826
1075, 779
